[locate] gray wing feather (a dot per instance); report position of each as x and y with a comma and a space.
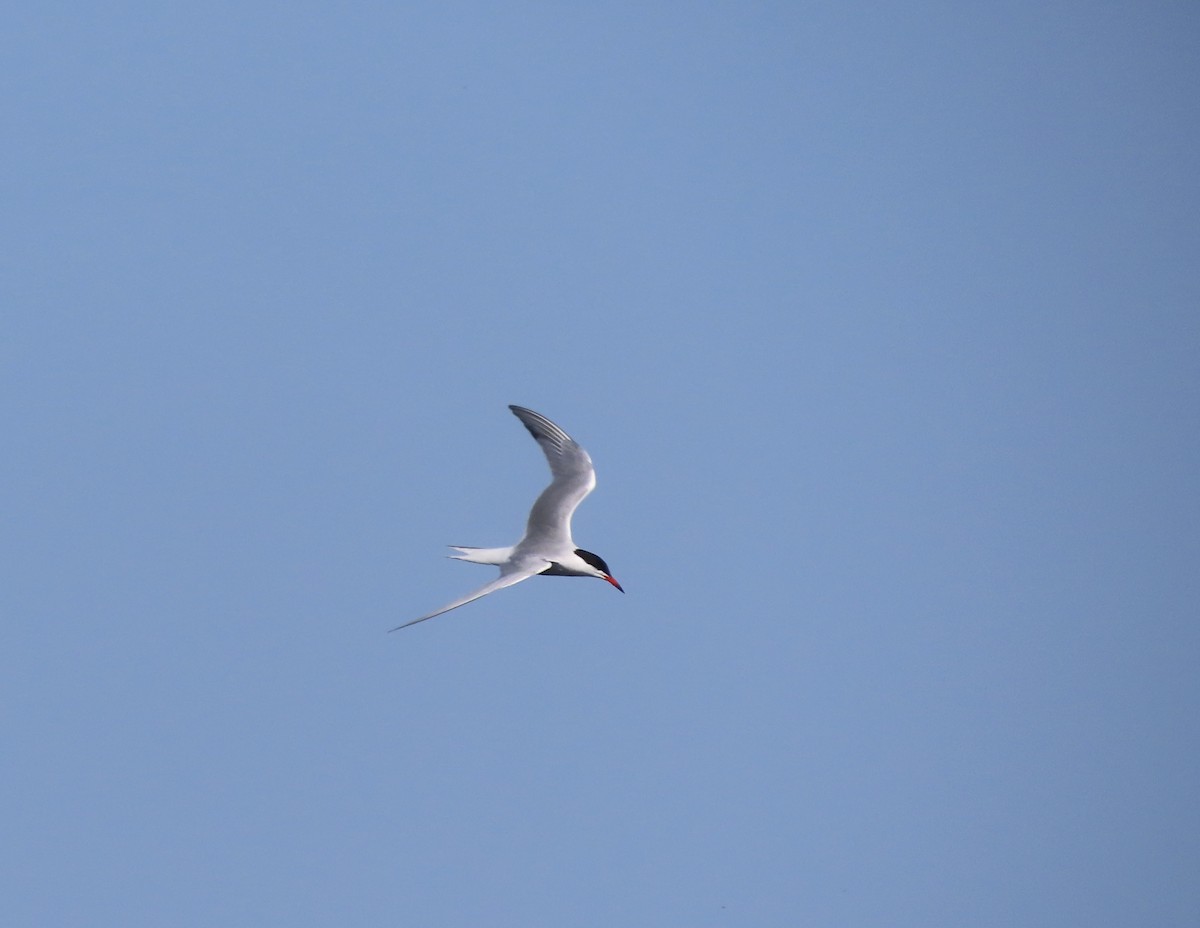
499, 583
574, 478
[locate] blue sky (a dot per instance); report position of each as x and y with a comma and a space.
880, 323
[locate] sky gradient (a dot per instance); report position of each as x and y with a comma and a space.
880, 324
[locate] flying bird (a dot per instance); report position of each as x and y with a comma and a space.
547, 547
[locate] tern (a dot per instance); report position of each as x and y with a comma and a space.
547, 547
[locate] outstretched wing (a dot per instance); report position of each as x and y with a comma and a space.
516, 576
574, 477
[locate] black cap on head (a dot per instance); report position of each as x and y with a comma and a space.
594, 559
598, 562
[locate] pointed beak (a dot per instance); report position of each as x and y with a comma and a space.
613, 582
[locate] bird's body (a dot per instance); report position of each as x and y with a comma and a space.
546, 547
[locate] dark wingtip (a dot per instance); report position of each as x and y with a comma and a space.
517, 410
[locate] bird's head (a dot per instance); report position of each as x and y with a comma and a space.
596, 562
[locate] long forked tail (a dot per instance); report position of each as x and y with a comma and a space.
493, 556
